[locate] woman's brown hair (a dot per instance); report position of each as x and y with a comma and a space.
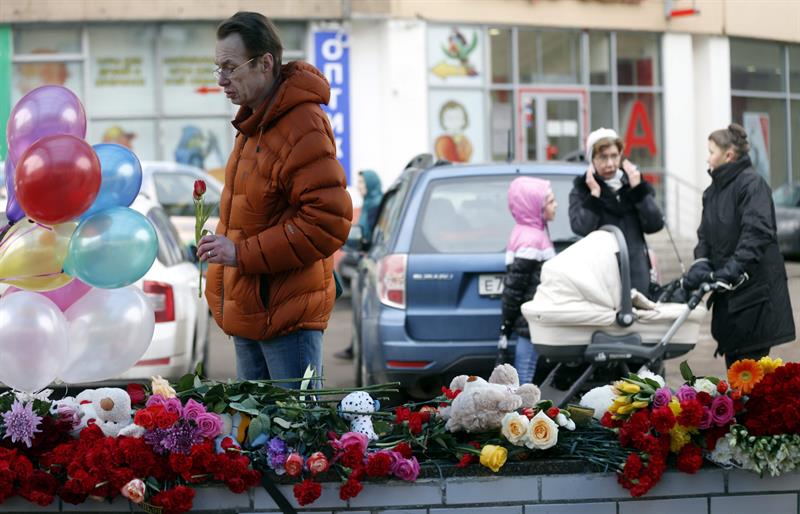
732, 137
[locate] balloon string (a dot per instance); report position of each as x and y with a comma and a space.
4, 230
18, 235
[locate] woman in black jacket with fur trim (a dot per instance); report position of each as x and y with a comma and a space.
613, 192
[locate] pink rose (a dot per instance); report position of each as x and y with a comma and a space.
193, 409
354, 439
133, 490
317, 463
209, 424
173, 406
722, 410
405, 469
707, 420
293, 465
155, 399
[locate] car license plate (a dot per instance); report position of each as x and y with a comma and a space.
490, 285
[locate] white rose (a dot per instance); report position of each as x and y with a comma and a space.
515, 427
705, 385
542, 432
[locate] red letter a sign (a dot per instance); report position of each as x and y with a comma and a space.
632, 140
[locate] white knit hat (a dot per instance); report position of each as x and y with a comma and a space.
597, 135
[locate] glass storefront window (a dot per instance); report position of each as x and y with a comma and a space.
292, 35
27, 76
187, 63
122, 66
795, 132
756, 65
502, 120
528, 56
794, 69
640, 121
764, 119
560, 57
38, 40
500, 46
202, 142
137, 135
601, 115
599, 58
638, 61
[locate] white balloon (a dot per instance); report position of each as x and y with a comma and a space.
33, 341
109, 331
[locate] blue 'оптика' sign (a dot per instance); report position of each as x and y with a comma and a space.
332, 57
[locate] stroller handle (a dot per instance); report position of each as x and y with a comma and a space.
625, 317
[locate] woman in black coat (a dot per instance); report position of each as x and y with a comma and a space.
613, 192
737, 244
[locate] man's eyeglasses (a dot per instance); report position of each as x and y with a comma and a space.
226, 73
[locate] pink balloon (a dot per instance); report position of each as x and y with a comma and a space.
64, 296
45, 111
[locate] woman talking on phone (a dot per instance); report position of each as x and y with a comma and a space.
613, 192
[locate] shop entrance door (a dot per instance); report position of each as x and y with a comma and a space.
551, 125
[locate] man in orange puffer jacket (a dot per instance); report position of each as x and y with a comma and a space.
284, 210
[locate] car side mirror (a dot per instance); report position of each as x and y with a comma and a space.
355, 238
191, 253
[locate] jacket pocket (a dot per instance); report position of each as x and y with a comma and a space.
740, 323
263, 290
750, 297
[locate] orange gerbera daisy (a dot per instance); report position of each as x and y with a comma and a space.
745, 374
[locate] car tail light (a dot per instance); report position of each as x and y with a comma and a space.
164, 361
162, 298
392, 280
408, 364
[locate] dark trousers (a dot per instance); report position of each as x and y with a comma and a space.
730, 358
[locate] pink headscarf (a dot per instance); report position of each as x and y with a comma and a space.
530, 238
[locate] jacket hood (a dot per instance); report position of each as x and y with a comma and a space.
529, 238
373, 183
297, 83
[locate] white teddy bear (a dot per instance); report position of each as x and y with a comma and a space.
356, 408
481, 405
110, 409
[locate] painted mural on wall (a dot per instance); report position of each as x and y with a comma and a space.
455, 56
456, 122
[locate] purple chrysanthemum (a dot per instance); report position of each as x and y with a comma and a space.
180, 437
21, 423
276, 451
154, 437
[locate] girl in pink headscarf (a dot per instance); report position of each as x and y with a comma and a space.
533, 205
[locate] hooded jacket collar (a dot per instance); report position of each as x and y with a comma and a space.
723, 175
297, 83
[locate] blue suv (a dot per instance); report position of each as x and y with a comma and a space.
426, 295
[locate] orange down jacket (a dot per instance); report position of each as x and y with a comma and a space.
286, 209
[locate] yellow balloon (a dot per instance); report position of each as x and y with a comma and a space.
32, 255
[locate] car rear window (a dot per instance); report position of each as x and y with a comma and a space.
470, 215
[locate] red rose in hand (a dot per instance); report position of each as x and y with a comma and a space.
199, 189
307, 491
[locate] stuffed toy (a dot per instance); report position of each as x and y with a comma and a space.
357, 408
481, 405
110, 409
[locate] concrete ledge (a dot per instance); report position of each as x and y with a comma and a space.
710, 491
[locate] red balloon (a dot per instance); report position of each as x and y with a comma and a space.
57, 179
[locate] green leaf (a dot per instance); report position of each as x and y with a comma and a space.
254, 430
186, 382
686, 372
242, 407
713, 380
652, 383
198, 370
281, 422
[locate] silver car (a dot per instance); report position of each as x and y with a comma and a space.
787, 217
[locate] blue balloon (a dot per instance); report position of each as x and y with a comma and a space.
121, 178
112, 248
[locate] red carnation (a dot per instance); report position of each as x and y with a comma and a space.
307, 492
466, 460
174, 501
415, 423
633, 467
690, 458
663, 419
691, 413
350, 489
404, 449
378, 464
704, 398
401, 414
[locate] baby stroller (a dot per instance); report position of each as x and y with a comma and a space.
585, 314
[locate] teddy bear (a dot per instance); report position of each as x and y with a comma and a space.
357, 408
481, 405
110, 409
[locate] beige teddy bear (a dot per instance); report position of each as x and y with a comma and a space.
481, 405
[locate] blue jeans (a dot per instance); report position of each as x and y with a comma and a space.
280, 358
525, 359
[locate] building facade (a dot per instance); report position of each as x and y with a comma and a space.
468, 81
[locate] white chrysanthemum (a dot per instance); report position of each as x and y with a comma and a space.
705, 385
599, 399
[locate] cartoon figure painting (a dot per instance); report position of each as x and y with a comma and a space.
457, 52
116, 134
453, 145
194, 147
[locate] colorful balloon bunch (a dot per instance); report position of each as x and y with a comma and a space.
71, 250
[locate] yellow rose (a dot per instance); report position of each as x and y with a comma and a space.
515, 427
493, 457
640, 404
675, 406
542, 432
162, 387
